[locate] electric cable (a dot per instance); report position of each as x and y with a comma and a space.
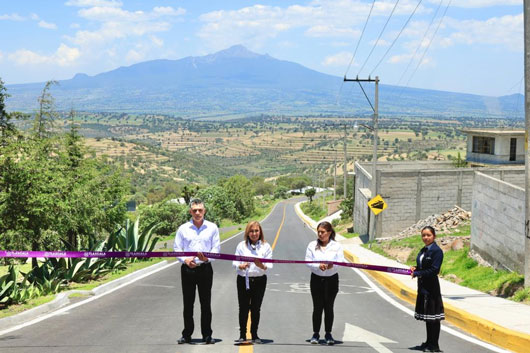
355, 51
378, 38
397, 37
420, 43
430, 42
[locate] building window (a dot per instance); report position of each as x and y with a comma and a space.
483, 144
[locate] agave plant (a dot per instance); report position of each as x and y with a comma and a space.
14, 292
129, 238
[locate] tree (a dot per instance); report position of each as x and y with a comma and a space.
6, 126
261, 186
241, 192
45, 117
168, 215
310, 193
218, 204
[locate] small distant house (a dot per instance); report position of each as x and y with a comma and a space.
495, 146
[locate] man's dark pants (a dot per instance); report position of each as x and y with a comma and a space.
200, 277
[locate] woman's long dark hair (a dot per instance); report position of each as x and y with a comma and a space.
328, 227
430, 229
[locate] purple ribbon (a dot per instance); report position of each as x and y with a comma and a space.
127, 254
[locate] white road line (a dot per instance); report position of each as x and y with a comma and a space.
70, 307
411, 313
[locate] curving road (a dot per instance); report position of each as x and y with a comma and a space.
146, 316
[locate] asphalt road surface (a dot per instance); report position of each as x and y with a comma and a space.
146, 316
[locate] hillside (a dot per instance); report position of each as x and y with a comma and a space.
238, 82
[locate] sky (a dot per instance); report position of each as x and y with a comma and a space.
469, 46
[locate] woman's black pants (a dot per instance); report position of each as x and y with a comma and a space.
250, 299
323, 292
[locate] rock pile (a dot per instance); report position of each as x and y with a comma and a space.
441, 223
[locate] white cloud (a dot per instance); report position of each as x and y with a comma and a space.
506, 30
332, 31
64, 56
341, 59
34, 17
482, 3
396, 59
91, 3
254, 25
134, 56
157, 41
75, 25
117, 23
47, 25
12, 17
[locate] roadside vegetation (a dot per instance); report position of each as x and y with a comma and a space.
458, 266
56, 194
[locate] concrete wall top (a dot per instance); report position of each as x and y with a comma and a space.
432, 166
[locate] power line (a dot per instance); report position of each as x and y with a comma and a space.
420, 43
357, 47
430, 42
397, 37
360, 38
380, 34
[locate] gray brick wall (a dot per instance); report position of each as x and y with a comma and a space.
497, 224
416, 191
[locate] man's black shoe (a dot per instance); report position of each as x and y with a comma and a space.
184, 339
432, 349
421, 347
208, 340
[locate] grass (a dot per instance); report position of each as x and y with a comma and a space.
458, 267
30, 304
313, 210
132, 267
484, 279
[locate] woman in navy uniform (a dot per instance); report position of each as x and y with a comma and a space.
429, 305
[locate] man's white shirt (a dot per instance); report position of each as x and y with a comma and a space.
202, 239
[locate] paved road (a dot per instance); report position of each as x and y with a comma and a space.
146, 316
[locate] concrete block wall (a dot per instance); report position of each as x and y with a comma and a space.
497, 224
414, 194
399, 190
363, 182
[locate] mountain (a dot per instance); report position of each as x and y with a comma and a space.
237, 81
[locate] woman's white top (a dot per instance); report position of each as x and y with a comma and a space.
261, 250
331, 252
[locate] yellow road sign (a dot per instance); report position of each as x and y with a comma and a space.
377, 204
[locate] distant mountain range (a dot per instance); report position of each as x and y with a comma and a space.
236, 82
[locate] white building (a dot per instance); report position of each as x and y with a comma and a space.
491, 146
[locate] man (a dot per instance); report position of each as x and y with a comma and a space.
201, 236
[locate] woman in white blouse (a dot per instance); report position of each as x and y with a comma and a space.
324, 279
251, 279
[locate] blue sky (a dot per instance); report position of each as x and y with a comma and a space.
478, 47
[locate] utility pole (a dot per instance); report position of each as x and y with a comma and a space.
323, 192
527, 128
335, 177
344, 167
375, 108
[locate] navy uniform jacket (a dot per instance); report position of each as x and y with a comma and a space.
428, 272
